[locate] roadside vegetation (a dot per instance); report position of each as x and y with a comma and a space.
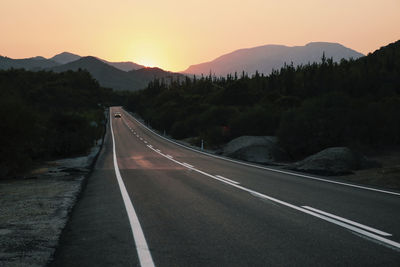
354, 103
46, 115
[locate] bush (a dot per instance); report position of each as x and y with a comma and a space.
46, 115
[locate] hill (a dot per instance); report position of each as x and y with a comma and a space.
117, 75
111, 77
125, 66
34, 63
105, 74
65, 57
354, 103
268, 57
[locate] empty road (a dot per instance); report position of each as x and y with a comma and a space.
150, 202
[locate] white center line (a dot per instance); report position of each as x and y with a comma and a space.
379, 232
187, 165
301, 209
141, 245
345, 223
229, 180
262, 167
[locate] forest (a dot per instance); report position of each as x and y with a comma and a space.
46, 115
354, 103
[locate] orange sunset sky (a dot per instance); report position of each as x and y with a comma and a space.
175, 34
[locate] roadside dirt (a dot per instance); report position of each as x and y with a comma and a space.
388, 176
35, 209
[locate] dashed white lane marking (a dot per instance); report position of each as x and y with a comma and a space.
141, 245
141, 139
229, 180
150, 146
359, 225
345, 223
265, 168
145, 142
301, 209
187, 165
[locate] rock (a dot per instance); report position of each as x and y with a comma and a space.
334, 161
257, 149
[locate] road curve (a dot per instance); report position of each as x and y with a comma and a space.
184, 208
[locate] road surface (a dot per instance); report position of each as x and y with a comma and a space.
150, 202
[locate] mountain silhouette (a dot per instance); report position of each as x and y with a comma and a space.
109, 76
268, 57
65, 57
34, 63
117, 75
125, 65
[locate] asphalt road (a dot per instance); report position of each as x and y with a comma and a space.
185, 208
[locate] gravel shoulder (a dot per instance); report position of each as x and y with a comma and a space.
35, 209
386, 176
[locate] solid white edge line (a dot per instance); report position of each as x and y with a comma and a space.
229, 180
265, 168
141, 245
359, 225
312, 213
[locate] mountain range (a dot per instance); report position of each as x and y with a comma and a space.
117, 75
131, 76
266, 58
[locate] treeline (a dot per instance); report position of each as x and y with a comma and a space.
353, 103
47, 115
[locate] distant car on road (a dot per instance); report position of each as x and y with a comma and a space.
117, 115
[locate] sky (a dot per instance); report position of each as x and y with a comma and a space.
173, 34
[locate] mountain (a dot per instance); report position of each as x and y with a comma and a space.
65, 57
268, 57
117, 75
125, 66
105, 74
109, 76
34, 63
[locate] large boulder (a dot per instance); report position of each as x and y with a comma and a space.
334, 161
257, 149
